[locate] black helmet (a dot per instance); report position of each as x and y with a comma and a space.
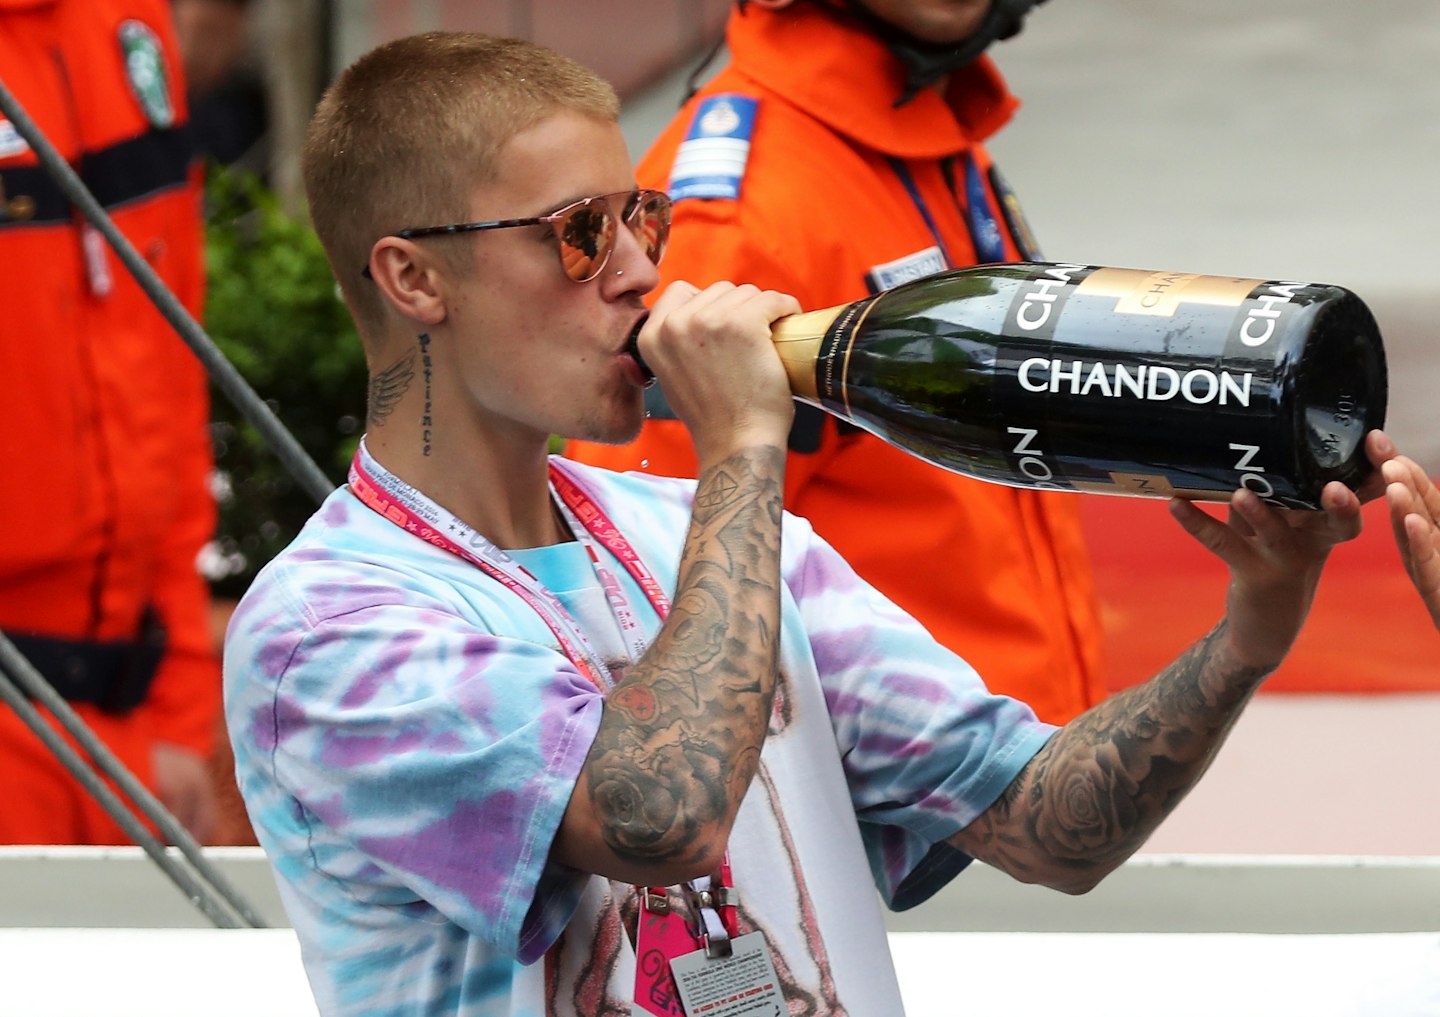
928, 62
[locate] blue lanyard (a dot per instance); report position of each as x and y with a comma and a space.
903, 173
980, 218
980, 215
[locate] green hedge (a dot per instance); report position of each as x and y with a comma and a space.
273, 308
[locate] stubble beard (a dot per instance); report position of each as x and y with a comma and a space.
619, 427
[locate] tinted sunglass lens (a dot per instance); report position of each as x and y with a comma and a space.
650, 222
586, 237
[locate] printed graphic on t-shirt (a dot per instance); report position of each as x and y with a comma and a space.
583, 970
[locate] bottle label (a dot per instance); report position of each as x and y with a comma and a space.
833, 359
1035, 311
1161, 293
1192, 358
1075, 377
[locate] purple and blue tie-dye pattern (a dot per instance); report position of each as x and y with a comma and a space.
407, 736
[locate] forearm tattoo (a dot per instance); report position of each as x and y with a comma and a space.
387, 387
681, 736
1103, 783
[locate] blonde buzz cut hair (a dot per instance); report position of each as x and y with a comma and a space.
403, 136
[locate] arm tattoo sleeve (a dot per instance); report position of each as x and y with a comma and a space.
681, 735
1103, 783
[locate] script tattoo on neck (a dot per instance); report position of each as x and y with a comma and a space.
387, 387
427, 418
1104, 782
681, 735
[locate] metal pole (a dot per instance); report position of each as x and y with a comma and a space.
13, 665
230, 381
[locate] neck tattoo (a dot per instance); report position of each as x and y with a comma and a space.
427, 420
387, 386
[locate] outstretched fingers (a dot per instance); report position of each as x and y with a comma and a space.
1414, 504
1255, 533
1275, 557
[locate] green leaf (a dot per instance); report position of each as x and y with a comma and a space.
273, 309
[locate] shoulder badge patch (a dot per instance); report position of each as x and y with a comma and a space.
145, 67
710, 162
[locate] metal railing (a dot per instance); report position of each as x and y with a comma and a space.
22, 686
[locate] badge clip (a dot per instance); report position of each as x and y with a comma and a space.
655, 900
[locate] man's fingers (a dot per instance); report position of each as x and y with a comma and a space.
1379, 448
1418, 535
1342, 510
1425, 487
1212, 534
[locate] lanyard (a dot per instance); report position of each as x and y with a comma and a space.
407, 508
662, 935
913, 190
980, 217
712, 901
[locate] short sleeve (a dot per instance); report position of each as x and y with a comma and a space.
417, 755
925, 746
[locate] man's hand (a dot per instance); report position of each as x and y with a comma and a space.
712, 352
1275, 558
1102, 784
182, 783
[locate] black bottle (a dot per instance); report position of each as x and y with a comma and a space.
1119, 381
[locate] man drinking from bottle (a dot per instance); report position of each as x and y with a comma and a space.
522, 736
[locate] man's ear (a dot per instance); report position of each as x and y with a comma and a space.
410, 279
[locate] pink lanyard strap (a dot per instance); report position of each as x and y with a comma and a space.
712, 901
662, 935
413, 512
599, 526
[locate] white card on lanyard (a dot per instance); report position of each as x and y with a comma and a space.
741, 985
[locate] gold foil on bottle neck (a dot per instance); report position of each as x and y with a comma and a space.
797, 339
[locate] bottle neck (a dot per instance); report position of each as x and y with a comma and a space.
797, 339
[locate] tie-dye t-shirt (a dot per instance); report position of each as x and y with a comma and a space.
407, 734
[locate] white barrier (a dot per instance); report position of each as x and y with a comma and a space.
83, 887
244, 973
88, 932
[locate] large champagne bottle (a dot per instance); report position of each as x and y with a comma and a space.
1076, 377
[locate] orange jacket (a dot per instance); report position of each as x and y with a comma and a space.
104, 433
997, 573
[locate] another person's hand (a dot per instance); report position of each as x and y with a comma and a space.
1414, 505
1275, 557
183, 785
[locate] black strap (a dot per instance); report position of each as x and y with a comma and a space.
122, 173
115, 676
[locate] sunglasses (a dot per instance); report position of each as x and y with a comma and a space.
586, 229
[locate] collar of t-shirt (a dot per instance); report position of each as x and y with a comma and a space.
566, 571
